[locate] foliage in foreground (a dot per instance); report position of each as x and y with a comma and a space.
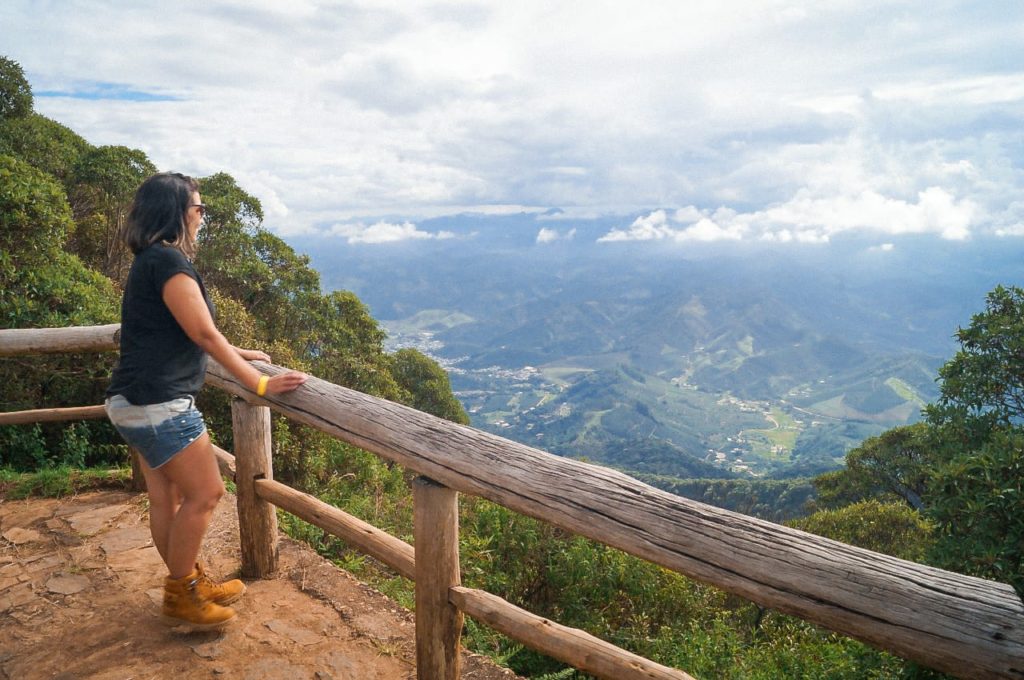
58, 482
962, 467
623, 599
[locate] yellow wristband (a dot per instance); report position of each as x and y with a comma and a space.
261, 388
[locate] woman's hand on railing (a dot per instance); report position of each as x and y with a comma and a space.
286, 382
253, 354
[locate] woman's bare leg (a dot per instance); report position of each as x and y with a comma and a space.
164, 501
193, 477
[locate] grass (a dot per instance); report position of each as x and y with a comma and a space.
784, 437
561, 374
428, 319
593, 421
545, 398
905, 391
493, 417
833, 408
60, 481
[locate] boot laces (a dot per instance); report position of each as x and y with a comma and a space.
194, 593
205, 580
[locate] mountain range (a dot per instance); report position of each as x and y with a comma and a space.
680, 359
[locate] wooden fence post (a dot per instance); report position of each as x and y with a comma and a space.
257, 519
436, 538
138, 482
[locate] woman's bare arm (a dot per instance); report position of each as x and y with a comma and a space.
182, 296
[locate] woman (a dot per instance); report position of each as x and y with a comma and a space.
167, 331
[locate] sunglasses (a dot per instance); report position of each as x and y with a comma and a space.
202, 208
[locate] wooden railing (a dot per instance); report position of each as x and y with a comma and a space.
961, 625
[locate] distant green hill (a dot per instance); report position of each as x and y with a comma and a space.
759, 359
705, 387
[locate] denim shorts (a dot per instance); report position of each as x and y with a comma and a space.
156, 431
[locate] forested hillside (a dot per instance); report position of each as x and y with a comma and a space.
62, 204
947, 490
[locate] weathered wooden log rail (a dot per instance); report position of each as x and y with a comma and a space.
961, 625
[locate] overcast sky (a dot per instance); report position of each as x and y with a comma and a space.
712, 120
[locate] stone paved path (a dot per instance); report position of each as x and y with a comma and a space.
80, 586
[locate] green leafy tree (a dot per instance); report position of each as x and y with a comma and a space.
34, 215
269, 297
227, 255
43, 285
43, 143
983, 384
975, 496
103, 185
259, 270
890, 528
892, 466
428, 385
230, 207
15, 92
349, 347
976, 503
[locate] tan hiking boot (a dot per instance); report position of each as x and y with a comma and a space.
184, 604
218, 593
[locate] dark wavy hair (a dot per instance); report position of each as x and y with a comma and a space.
158, 213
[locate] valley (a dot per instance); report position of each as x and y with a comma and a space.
601, 407
738, 362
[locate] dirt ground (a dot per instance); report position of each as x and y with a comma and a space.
81, 583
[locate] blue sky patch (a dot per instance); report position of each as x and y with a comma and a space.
101, 90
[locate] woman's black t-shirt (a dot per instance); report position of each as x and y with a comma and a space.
158, 361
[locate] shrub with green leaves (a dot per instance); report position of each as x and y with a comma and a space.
977, 501
889, 528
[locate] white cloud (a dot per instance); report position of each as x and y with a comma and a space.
816, 219
658, 226
546, 235
654, 227
707, 230
688, 214
807, 218
782, 112
385, 232
984, 90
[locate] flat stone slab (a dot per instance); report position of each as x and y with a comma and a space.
16, 597
8, 581
24, 515
156, 595
67, 584
91, 501
273, 669
138, 567
86, 557
19, 536
11, 570
208, 650
300, 636
42, 562
128, 538
341, 666
91, 522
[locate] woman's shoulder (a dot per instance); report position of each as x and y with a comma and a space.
158, 263
161, 255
